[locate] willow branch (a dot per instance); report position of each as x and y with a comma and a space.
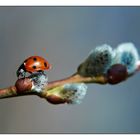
12, 91
76, 78
8, 92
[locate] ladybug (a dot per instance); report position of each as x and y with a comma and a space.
33, 64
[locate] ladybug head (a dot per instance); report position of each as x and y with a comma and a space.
21, 71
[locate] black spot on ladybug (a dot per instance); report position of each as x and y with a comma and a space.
45, 64
34, 67
35, 59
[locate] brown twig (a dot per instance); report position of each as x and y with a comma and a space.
8, 92
76, 78
13, 91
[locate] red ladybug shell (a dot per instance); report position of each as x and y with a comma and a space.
36, 63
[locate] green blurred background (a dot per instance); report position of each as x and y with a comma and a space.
65, 36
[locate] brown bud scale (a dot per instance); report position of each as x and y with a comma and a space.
117, 73
53, 99
23, 85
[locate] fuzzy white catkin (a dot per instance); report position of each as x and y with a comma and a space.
74, 93
39, 81
127, 54
98, 61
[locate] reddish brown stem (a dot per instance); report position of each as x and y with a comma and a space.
8, 92
23, 87
76, 78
